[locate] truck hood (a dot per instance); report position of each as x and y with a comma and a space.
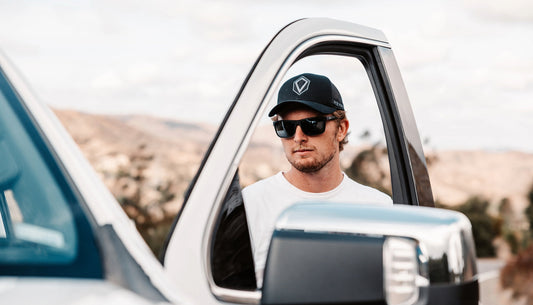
47, 291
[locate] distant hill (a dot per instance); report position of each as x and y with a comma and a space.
148, 162
457, 175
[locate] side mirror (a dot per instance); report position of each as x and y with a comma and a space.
328, 253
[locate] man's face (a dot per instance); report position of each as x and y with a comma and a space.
311, 153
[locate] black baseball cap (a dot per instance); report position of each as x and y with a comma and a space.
314, 91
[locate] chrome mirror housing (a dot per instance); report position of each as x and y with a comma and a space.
425, 255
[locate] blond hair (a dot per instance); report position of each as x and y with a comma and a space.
341, 115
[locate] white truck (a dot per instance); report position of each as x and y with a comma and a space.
65, 240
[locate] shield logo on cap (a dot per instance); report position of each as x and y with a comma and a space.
300, 85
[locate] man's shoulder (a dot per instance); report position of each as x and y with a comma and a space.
263, 184
365, 192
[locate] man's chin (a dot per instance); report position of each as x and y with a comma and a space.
307, 167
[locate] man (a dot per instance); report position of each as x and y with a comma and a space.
310, 120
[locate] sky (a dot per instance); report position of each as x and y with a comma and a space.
467, 64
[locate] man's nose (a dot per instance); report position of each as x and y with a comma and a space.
299, 135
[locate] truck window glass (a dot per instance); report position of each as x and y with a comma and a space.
42, 230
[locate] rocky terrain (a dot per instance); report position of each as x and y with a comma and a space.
148, 162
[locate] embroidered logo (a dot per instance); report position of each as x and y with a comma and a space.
300, 85
338, 104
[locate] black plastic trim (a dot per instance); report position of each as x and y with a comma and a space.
456, 294
232, 262
323, 268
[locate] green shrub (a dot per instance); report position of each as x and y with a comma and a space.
529, 210
484, 227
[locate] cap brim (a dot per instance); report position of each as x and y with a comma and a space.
313, 105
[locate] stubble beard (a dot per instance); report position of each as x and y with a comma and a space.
316, 165
311, 167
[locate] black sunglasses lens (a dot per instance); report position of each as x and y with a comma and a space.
285, 129
313, 126
310, 127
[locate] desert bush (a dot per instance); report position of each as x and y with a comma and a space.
368, 168
529, 210
517, 274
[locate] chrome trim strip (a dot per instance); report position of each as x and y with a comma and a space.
237, 296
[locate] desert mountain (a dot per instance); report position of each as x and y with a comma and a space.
148, 162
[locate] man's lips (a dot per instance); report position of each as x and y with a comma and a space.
302, 150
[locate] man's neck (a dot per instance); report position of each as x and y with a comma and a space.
316, 182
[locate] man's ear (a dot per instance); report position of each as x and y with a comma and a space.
344, 124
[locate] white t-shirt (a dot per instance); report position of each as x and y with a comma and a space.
265, 200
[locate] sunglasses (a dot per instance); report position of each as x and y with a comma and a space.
310, 126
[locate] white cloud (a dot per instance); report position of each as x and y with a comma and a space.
171, 58
109, 80
505, 10
142, 73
